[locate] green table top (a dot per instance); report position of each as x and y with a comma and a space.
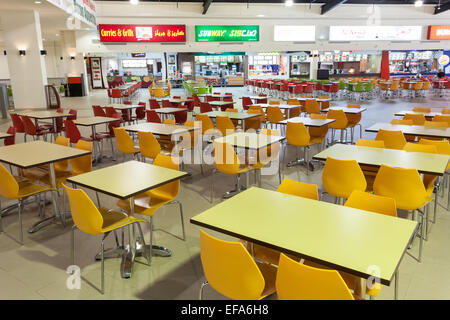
436, 132
423, 162
127, 179
339, 237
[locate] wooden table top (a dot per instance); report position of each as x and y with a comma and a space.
159, 128
232, 115
169, 110
127, 179
308, 122
346, 110
424, 162
44, 114
336, 236
37, 153
92, 121
436, 132
4, 135
249, 140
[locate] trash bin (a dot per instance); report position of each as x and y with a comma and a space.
4, 100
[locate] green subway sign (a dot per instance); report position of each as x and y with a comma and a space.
226, 33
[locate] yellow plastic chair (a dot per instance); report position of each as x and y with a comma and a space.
436, 124
341, 123
297, 281
402, 122
253, 124
148, 145
445, 111
418, 119
224, 125
260, 111
312, 106
274, 115
341, 177
439, 118
207, 124
169, 122
294, 112
92, 220
408, 190
267, 154
13, 190
274, 102
392, 139
297, 135
147, 203
292, 102
159, 93
227, 161
318, 133
424, 110
124, 142
231, 271
354, 120
370, 143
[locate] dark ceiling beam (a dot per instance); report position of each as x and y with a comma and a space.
442, 8
331, 5
206, 4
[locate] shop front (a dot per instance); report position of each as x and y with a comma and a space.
413, 62
208, 66
351, 63
268, 65
299, 65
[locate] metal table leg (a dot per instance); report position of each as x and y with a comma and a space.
130, 254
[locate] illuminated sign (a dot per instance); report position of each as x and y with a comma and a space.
373, 33
294, 33
226, 33
438, 33
142, 33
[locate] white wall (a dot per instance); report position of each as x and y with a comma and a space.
275, 14
4, 70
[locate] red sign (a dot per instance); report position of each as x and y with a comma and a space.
438, 32
142, 33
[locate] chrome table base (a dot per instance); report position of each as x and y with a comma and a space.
234, 192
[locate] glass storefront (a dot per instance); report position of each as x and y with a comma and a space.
424, 62
207, 67
351, 63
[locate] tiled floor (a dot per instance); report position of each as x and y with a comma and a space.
37, 270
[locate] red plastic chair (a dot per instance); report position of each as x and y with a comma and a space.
166, 103
10, 140
74, 134
228, 99
246, 101
74, 115
140, 111
31, 130
98, 111
176, 97
262, 100
116, 94
152, 116
154, 104
298, 90
189, 105
18, 125
196, 100
205, 107
308, 89
228, 94
180, 117
211, 98
111, 112
128, 103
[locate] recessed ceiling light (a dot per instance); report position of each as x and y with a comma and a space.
134, 2
260, 16
289, 3
418, 3
37, 2
57, 35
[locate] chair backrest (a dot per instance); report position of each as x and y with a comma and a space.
152, 116
148, 145
312, 106
159, 92
169, 121
196, 100
318, 116
231, 110
154, 104
85, 214
124, 142
371, 202
180, 117
297, 188
292, 101
82, 164
403, 185
442, 146
402, 122
297, 281
72, 131
207, 124
9, 188
424, 110
392, 139
64, 164
166, 103
418, 119
172, 188
98, 111
127, 102
439, 118
436, 124
274, 102
370, 143
445, 111
274, 114
246, 101
297, 134
140, 111
341, 177
29, 126
111, 112
17, 123
225, 158
10, 140
417, 147
225, 125
341, 119
230, 269
205, 107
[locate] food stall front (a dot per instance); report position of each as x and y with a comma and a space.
208, 65
351, 63
411, 63
272, 65
299, 65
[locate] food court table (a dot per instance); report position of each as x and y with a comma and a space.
5, 135
220, 104
241, 116
335, 236
425, 114
38, 153
126, 107
308, 122
42, 115
435, 132
164, 112
429, 163
285, 107
346, 110
160, 129
124, 181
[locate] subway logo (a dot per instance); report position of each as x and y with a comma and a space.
226, 33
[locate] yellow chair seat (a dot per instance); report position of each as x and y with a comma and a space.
27, 189
113, 220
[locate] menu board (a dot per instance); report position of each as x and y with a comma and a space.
135, 63
96, 73
142, 33
373, 33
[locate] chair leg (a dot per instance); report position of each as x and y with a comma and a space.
1, 222
103, 263
20, 221
200, 294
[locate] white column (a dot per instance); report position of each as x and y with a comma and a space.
77, 66
21, 30
314, 64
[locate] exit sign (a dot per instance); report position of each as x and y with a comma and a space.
226, 33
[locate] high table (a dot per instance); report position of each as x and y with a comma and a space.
335, 236
92, 122
242, 116
124, 181
37, 153
435, 132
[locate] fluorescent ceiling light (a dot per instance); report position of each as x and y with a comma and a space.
260, 16
418, 3
134, 2
289, 3
37, 2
